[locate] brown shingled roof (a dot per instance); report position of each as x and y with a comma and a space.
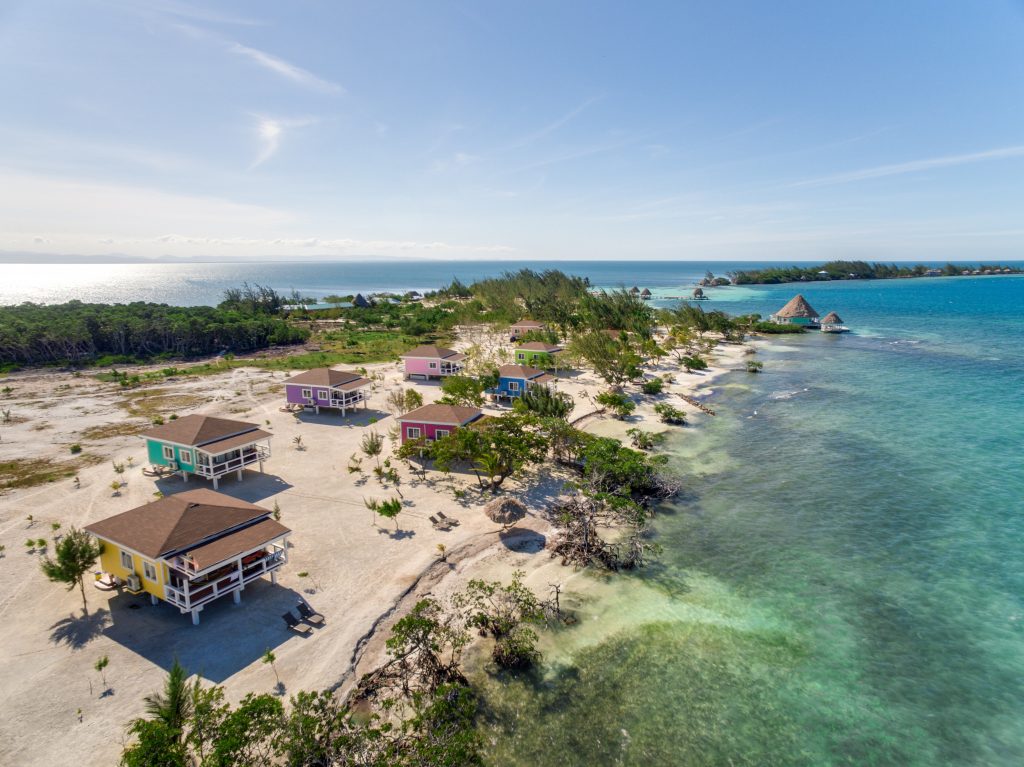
528, 324
796, 307
540, 346
177, 522
239, 542
434, 352
456, 415
340, 379
194, 430
519, 371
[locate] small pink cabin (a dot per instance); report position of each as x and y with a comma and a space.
432, 362
432, 422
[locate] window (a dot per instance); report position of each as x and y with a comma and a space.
413, 432
513, 385
126, 562
432, 365
149, 571
185, 456
168, 453
307, 394
322, 394
441, 433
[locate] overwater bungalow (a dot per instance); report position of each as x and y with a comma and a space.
833, 323
634, 290
796, 312
190, 548
645, 294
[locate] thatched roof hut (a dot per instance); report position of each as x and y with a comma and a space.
505, 510
634, 290
831, 319
645, 293
797, 307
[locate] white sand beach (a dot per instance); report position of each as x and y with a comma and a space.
362, 573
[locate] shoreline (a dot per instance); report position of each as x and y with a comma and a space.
367, 575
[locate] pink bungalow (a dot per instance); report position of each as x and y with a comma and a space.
432, 362
432, 422
323, 387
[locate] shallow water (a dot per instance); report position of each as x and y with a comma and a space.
842, 581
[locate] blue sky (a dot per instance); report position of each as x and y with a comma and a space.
562, 130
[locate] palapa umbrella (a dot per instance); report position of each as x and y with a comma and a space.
505, 511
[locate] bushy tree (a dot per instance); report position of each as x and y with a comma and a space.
497, 447
505, 612
613, 359
546, 402
463, 390
617, 402
74, 554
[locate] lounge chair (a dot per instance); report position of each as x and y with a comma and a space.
440, 524
309, 615
450, 521
294, 625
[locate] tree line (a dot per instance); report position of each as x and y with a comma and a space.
79, 333
851, 270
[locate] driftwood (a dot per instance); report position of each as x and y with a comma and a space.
580, 544
701, 407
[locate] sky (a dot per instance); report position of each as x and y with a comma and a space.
535, 130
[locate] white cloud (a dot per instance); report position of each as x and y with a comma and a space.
271, 131
285, 69
915, 166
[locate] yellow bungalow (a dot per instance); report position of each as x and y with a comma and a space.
190, 548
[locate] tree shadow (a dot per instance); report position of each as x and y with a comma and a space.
522, 540
77, 631
107, 693
396, 535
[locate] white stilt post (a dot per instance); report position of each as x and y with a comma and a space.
152, 599
237, 596
239, 475
215, 482
195, 617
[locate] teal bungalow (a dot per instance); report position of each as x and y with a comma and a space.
538, 354
796, 312
207, 447
514, 380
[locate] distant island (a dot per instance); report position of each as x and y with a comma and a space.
860, 270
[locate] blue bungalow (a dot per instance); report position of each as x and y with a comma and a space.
513, 380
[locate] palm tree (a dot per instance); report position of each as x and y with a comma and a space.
74, 555
174, 705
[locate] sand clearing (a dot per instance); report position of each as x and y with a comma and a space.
362, 574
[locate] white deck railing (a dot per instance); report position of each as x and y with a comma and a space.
195, 594
248, 456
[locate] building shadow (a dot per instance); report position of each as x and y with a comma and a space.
229, 637
352, 419
253, 487
76, 631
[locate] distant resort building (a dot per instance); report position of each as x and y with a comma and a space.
833, 323
515, 380
538, 354
432, 362
190, 548
207, 447
323, 387
645, 294
634, 290
433, 422
796, 312
523, 327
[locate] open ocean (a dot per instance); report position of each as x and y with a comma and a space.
842, 581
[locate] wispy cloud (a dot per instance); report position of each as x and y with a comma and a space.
271, 132
268, 61
915, 166
186, 11
285, 69
537, 135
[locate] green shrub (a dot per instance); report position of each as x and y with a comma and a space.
75, 449
653, 386
670, 414
618, 403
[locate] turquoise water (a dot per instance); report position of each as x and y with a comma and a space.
842, 582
